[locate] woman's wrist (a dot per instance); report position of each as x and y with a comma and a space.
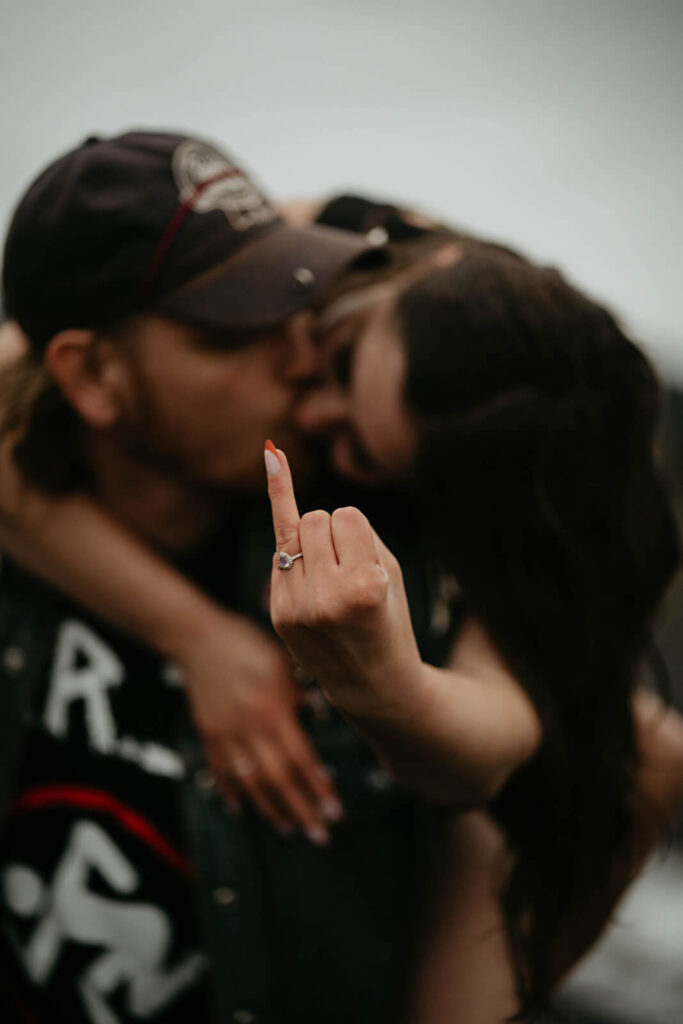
392, 695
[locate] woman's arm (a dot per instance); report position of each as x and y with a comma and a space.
462, 730
456, 734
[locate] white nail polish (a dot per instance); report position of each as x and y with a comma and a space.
273, 466
318, 835
331, 810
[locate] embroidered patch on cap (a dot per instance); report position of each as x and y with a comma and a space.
195, 164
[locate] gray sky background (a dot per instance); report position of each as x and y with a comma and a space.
556, 126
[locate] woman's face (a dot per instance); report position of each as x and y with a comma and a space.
359, 406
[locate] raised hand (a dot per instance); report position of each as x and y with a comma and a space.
341, 608
454, 734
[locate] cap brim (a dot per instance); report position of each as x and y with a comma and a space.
282, 271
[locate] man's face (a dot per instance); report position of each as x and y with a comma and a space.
199, 404
359, 407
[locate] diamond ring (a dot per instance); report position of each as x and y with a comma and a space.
285, 561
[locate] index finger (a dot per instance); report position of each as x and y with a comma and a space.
282, 500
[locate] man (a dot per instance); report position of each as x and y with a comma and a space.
159, 292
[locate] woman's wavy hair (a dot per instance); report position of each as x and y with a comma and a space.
537, 416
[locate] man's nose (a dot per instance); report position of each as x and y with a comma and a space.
303, 361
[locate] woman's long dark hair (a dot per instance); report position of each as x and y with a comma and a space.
536, 459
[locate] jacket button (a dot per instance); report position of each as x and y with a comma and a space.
14, 658
379, 780
244, 1017
204, 780
224, 897
377, 236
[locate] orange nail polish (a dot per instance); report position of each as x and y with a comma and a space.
273, 464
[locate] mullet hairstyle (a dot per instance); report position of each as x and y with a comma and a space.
40, 430
543, 499
39, 427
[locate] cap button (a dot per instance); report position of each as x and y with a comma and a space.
303, 279
377, 236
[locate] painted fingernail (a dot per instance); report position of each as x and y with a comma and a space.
273, 466
331, 809
317, 834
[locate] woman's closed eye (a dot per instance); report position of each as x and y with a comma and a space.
341, 365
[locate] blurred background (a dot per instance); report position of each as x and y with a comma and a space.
555, 126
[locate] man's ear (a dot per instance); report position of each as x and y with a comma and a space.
88, 372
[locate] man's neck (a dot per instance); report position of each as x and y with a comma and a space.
169, 513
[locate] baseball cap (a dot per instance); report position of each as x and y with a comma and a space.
160, 222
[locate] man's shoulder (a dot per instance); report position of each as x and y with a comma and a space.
26, 603
33, 614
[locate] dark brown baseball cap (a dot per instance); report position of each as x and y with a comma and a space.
166, 223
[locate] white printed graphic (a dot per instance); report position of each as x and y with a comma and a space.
244, 206
134, 937
86, 670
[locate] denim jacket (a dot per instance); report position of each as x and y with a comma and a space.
330, 931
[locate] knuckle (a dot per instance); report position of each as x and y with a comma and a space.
349, 514
367, 590
392, 564
316, 518
369, 585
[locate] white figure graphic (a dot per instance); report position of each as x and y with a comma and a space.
135, 937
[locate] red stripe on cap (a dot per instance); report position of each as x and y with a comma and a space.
97, 800
174, 226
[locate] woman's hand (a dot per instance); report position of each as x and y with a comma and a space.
342, 608
244, 702
455, 734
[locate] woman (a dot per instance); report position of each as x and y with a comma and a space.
531, 417
527, 419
